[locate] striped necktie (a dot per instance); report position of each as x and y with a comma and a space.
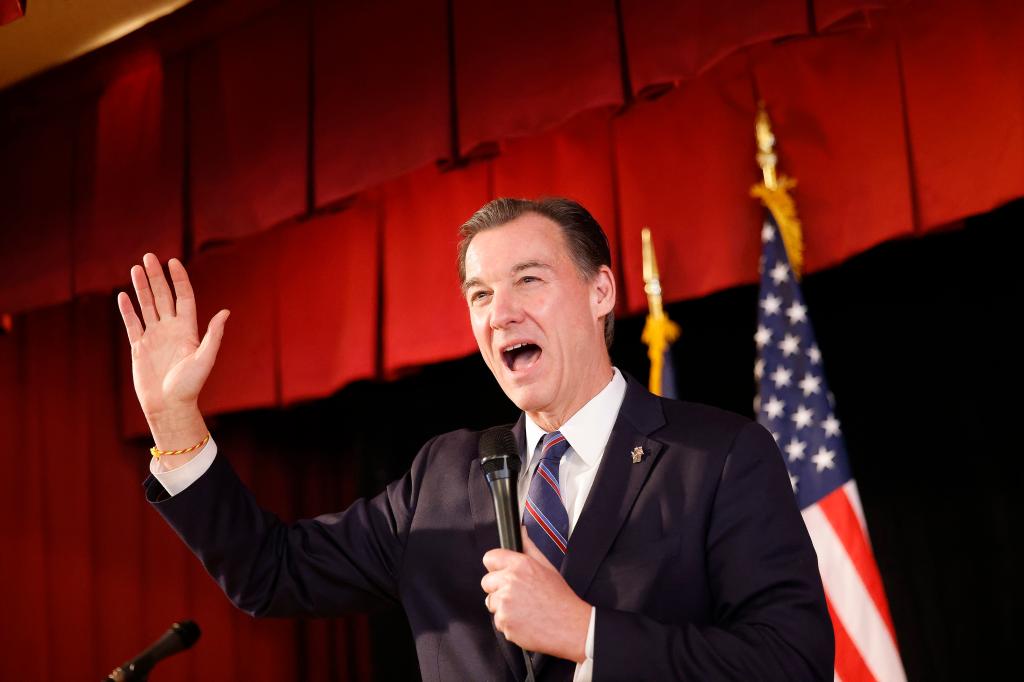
546, 521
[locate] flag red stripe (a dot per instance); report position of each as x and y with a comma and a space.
843, 519
850, 665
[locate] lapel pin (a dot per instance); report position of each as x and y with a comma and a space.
638, 454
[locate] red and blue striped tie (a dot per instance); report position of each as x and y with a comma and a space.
545, 518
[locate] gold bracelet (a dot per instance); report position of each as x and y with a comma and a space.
158, 453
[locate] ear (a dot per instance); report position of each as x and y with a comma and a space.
602, 292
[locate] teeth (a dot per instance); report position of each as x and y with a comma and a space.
512, 348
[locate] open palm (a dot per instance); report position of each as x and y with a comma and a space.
169, 362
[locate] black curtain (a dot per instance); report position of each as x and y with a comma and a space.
919, 350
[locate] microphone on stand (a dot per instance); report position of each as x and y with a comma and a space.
499, 459
178, 637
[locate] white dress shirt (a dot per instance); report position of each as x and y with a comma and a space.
587, 432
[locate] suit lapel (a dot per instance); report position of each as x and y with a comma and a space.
485, 530
618, 482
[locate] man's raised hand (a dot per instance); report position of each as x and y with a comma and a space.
169, 362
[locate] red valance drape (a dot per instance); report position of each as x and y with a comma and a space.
248, 120
682, 163
304, 300
382, 97
966, 133
129, 196
307, 137
327, 302
845, 98
424, 316
670, 41
574, 160
526, 66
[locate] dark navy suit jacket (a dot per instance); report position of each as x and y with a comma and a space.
696, 557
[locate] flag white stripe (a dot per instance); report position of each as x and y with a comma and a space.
851, 602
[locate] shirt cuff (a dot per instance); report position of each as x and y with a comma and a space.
177, 479
589, 648
585, 670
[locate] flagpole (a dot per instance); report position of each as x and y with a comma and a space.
652, 282
659, 331
774, 194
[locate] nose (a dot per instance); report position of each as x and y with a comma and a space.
506, 310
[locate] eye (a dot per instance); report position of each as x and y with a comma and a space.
476, 296
528, 279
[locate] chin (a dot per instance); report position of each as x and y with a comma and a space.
528, 394
532, 402
524, 397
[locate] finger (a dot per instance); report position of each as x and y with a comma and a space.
487, 603
144, 295
185, 300
131, 320
208, 347
158, 283
497, 559
493, 581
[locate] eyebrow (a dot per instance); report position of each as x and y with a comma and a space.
519, 267
516, 269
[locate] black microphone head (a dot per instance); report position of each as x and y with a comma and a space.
187, 631
499, 453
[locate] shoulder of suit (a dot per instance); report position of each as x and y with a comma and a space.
454, 446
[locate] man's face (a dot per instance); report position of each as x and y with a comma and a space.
536, 320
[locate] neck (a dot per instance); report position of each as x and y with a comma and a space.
553, 419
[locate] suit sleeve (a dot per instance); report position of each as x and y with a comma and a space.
770, 620
329, 565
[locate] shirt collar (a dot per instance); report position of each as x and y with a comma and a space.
589, 429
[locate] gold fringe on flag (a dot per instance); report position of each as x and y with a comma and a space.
658, 334
774, 192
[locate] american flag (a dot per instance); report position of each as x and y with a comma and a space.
794, 403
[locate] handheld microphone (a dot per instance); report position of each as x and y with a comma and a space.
499, 458
178, 637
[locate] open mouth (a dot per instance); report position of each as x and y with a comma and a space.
520, 356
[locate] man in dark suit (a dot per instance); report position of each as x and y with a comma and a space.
662, 538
